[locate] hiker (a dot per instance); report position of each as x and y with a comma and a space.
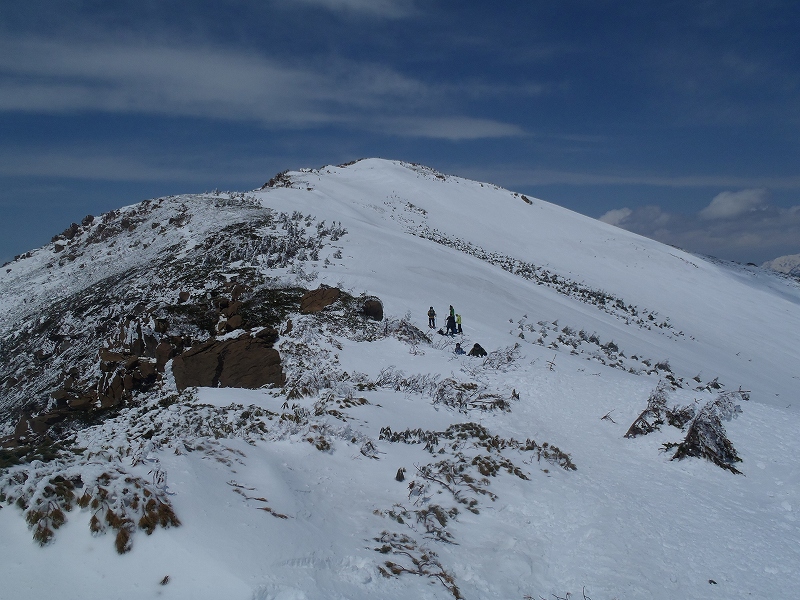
432, 318
477, 350
452, 312
458, 324
451, 325
459, 349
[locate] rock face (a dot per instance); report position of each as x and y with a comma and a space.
315, 300
246, 362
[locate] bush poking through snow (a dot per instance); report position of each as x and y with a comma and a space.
117, 500
424, 562
651, 418
707, 437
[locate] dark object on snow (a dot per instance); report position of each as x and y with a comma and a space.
440, 332
451, 325
656, 414
246, 362
315, 300
651, 418
432, 318
373, 309
707, 437
459, 349
400, 474
477, 350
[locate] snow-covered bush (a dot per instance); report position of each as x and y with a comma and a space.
707, 438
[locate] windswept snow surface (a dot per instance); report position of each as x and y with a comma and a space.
629, 523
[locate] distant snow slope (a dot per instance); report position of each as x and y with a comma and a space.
306, 505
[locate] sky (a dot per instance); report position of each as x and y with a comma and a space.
679, 120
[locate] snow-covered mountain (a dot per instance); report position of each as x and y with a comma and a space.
238, 395
789, 264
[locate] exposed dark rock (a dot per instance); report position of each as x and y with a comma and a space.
112, 391
232, 309
164, 351
71, 231
235, 322
245, 362
137, 347
110, 356
147, 370
373, 309
150, 345
315, 300
269, 334
82, 403
183, 297
238, 290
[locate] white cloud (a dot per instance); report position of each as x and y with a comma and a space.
38, 75
616, 216
741, 235
727, 205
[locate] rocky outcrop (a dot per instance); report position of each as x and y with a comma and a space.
246, 362
315, 300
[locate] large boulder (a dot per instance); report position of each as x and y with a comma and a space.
372, 309
246, 362
315, 300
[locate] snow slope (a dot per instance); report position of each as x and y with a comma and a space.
627, 523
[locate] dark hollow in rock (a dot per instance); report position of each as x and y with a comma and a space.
245, 362
315, 300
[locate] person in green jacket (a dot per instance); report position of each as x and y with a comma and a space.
458, 323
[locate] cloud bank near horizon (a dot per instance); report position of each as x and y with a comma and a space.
741, 224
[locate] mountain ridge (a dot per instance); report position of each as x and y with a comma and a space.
584, 323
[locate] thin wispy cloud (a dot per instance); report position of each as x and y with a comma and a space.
94, 165
530, 177
42, 76
387, 9
449, 128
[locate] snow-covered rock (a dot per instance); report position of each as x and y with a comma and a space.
789, 264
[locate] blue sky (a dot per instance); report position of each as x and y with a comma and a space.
678, 120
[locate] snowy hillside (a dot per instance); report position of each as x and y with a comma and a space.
183, 415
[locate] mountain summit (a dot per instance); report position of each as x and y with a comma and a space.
239, 395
